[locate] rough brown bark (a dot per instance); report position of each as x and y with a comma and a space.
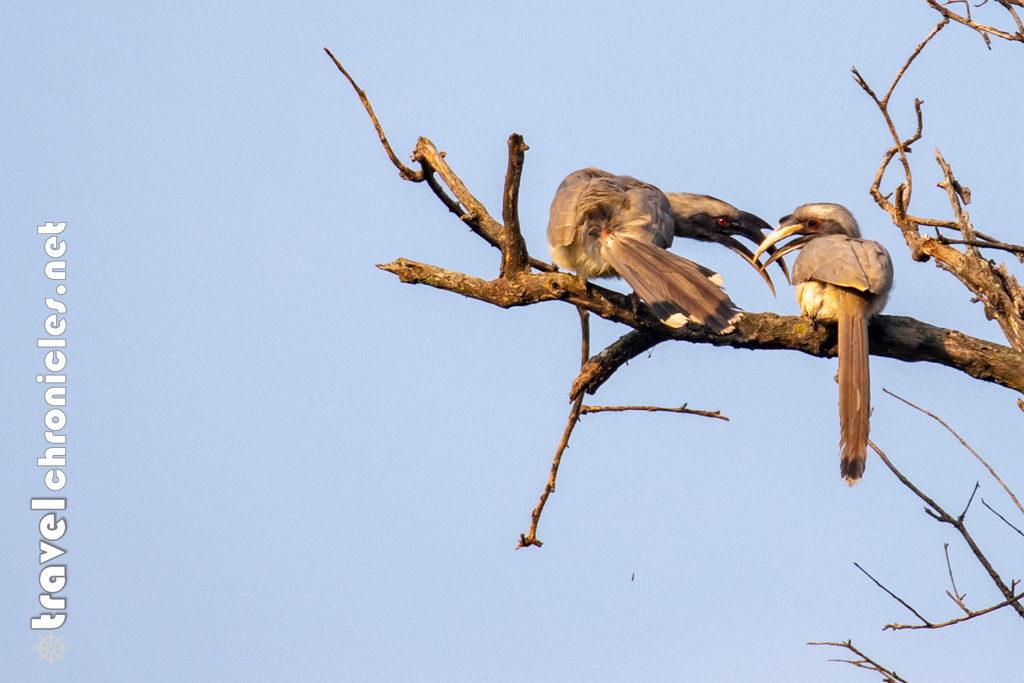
896, 337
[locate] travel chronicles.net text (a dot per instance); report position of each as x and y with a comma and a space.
52, 525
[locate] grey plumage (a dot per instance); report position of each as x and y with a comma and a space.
604, 225
844, 279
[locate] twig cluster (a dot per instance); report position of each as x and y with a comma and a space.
1001, 294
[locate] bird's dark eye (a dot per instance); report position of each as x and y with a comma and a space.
814, 223
723, 222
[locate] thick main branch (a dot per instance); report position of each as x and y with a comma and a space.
896, 337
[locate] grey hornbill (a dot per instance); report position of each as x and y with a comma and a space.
605, 225
841, 278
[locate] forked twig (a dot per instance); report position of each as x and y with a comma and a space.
901, 146
955, 595
983, 30
865, 662
935, 511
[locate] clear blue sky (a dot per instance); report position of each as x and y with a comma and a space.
284, 465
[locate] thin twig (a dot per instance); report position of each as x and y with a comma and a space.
956, 597
1012, 248
654, 409
530, 538
965, 445
1001, 517
970, 500
910, 60
903, 197
864, 662
475, 215
404, 171
585, 330
896, 597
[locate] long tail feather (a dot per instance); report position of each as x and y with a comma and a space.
854, 385
677, 290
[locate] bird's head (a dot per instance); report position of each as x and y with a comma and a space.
808, 221
704, 218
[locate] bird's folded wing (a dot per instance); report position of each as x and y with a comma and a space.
564, 207
877, 265
649, 218
840, 260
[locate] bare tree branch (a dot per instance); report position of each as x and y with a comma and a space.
994, 512
597, 370
970, 615
654, 409
405, 171
865, 662
985, 31
941, 515
515, 258
965, 445
474, 215
530, 538
985, 244
896, 337
901, 146
893, 595
955, 596
1000, 293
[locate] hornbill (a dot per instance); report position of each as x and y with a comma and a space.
605, 225
842, 278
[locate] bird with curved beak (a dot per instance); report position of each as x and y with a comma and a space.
839, 278
605, 225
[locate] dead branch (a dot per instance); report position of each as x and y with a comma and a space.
530, 538
865, 662
1002, 296
896, 337
985, 31
902, 146
515, 258
893, 595
1006, 521
654, 409
965, 445
959, 620
597, 370
955, 596
935, 511
406, 172
986, 244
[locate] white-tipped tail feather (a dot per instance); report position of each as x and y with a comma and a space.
676, 289
854, 385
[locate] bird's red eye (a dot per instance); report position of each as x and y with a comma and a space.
814, 223
723, 222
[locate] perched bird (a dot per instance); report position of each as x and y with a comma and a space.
840, 278
605, 225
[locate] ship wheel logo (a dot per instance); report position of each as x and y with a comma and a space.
51, 648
